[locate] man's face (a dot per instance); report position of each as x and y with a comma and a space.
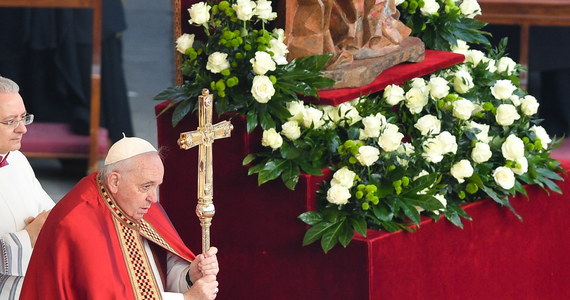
11, 108
137, 187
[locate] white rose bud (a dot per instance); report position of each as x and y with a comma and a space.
441, 199
462, 81
313, 116
515, 100
262, 62
481, 152
217, 62
462, 170
416, 100
199, 13
291, 130
184, 42
264, 11
529, 105
512, 148
338, 194
462, 109
398, 2
394, 94
433, 150
348, 113
271, 139
503, 89
449, 141
372, 126
244, 9
506, 65
521, 166
483, 135
405, 148
262, 89
430, 7
390, 138
438, 87
296, 109
279, 50
541, 133
492, 66
470, 8
343, 177
506, 114
418, 83
504, 177
462, 47
474, 57
428, 125
367, 155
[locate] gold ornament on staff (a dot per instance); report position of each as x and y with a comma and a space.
204, 137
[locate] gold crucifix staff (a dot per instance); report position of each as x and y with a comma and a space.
204, 137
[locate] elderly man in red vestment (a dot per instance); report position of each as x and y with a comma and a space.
108, 238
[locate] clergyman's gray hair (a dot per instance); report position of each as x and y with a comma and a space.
8, 86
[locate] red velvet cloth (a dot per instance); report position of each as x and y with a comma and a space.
434, 60
57, 138
495, 256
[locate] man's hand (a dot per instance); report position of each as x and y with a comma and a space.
204, 264
205, 288
35, 225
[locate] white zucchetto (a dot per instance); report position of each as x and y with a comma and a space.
128, 147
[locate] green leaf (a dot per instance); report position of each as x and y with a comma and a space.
410, 211
271, 171
248, 159
382, 212
251, 120
290, 175
266, 121
331, 236
181, 110
311, 217
316, 232
289, 151
346, 234
359, 225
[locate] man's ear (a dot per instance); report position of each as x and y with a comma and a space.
113, 182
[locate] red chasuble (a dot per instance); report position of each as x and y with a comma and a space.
90, 249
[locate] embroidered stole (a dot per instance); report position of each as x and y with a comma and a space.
130, 235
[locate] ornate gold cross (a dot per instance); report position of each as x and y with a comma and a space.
204, 137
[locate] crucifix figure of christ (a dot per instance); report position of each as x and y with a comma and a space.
204, 137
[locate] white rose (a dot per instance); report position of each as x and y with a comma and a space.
529, 105
506, 114
407, 149
418, 83
264, 11
262, 62
491, 66
390, 138
217, 62
507, 65
481, 152
398, 2
262, 89
521, 166
449, 141
348, 113
394, 94
483, 134
462, 81
343, 177
428, 125
296, 109
541, 133
372, 126
279, 50
244, 9
515, 100
199, 13
462, 47
367, 155
338, 194
430, 7
461, 170
503, 89
441, 199
474, 57
291, 130
280, 33
470, 8
313, 116
416, 100
184, 42
435, 148
271, 139
504, 177
512, 148
462, 109
438, 87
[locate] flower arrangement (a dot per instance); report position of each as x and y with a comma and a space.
427, 147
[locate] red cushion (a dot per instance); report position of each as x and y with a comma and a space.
55, 138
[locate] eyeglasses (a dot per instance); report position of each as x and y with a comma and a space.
27, 120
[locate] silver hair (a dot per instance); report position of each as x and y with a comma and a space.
8, 86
